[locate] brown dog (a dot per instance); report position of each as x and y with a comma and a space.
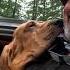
30, 40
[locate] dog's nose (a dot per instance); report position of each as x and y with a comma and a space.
58, 22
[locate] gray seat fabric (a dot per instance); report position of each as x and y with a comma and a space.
50, 65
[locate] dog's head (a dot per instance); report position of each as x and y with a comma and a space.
33, 32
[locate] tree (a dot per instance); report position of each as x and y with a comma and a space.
45, 9
35, 6
14, 10
35, 9
9, 8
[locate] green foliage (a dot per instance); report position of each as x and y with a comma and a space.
46, 9
9, 8
34, 9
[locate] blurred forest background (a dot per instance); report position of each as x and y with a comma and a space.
31, 9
